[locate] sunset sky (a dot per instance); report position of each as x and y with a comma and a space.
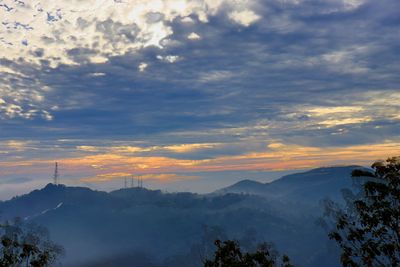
194, 94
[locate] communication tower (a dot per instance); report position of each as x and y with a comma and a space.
56, 174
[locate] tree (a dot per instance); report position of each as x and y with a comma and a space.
26, 245
229, 254
368, 232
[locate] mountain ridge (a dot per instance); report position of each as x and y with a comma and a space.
94, 226
308, 185
52, 194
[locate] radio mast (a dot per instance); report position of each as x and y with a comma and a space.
56, 174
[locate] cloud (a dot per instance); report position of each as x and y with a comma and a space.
184, 148
14, 180
142, 66
336, 122
244, 17
160, 177
17, 145
74, 32
22, 95
169, 58
322, 111
104, 168
193, 36
127, 149
215, 76
87, 148
106, 177
347, 60
117, 83
48, 34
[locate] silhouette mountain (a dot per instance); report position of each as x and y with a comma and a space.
141, 227
48, 198
310, 186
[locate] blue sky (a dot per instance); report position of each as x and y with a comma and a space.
194, 94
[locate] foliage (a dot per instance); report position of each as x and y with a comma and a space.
26, 245
229, 254
368, 232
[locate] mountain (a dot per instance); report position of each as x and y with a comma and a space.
49, 197
137, 224
310, 186
141, 227
244, 186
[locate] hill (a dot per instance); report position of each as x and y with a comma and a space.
307, 187
141, 227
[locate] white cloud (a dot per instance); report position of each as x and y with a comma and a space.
333, 116
353, 4
244, 17
73, 31
193, 36
169, 58
360, 108
16, 146
142, 66
97, 74
323, 111
345, 121
76, 32
187, 20
19, 99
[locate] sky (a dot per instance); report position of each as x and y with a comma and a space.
194, 94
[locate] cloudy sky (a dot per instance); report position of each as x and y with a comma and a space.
194, 94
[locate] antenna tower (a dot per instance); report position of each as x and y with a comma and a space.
56, 174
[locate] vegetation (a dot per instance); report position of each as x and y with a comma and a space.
229, 254
368, 231
26, 245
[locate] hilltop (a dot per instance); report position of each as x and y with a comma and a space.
152, 228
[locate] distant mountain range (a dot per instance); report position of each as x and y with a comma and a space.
140, 227
310, 186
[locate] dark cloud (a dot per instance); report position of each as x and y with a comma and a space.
235, 84
14, 180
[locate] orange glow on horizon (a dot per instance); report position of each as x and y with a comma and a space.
278, 156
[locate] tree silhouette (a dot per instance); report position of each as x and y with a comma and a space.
26, 245
229, 254
368, 233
